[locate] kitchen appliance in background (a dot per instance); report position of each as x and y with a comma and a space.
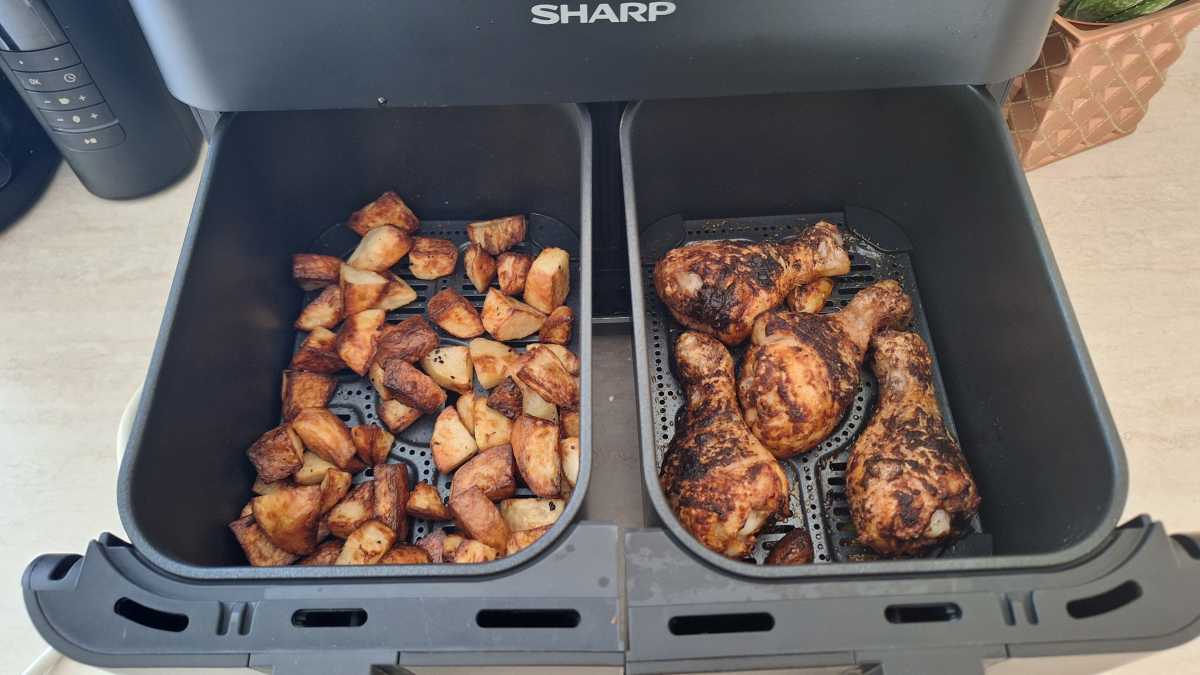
27, 157
84, 70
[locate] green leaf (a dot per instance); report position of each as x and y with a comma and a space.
1096, 10
1141, 9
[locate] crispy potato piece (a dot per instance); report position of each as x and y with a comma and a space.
450, 367
491, 427
795, 548
569, 423
391, 497
361, 289
568, 450
357, 338
540, 370
325, 434
375, 374
318, 353
535, 447
367, 544
326, 554
492, 471
507, 399
312, 271
313, 471
262, 487
397, 416
499, 235
450, 544
372, 443
357, 508
260, 552
518, 541
491, 360
451, 444
425, 502
247, 510
396, 294
507, 318
535, 406
432, 543
289, 517
455, 314
480, 266
557, 327
325, 311
512, 270
527, 513
465, 405
432, 258
549, 280
410, 340
388, 209
302, 390
334, 487
471, 551
322, 529
565, 356
479, 517
276, 454
810, 298
412, 387
380, 248
405, 554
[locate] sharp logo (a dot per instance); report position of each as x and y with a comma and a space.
622, 12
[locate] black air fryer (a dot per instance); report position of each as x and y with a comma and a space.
714, 120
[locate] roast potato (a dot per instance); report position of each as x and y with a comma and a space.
276, 454
367, 544
795, 548
410, 340
455, 314
565, 356
549, 280
499, 235
450, 368
480, 266
568, 450
412, 387
361, 289
527, 513
451, 444
357, 508
476, 515
325, 311
465, 405
472, 551
262, 487
425, 502
375, 375
397, 416
491, 427
326, 554
512, 269
432, 258
492, 471
380, 248
391, 497
260, 551
388, 209
535, 406
491, 360
405, 554
507, 318
396, 294
289, 517
312, 271
318, 353
569, 423
433, 543
302, 390
507, 399
372, 443
334, 487
356, 340
556, 329
450, 544
540, 371
535, 448
522, 539
313, 470
326, 435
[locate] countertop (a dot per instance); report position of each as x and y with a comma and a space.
85, 281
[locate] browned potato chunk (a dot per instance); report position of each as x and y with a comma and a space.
450, 367
507, 318
512, 270
262, 487
247, 510
372, 443
313, 471
549, 280
536, 406
425, 502
499, 235
356, 340
507, 399
568, 449
326, 554
433, 542
518, 541
289, 517
481, 267
326, 435
397, 416
455, 314
367, 544
465, 405
396, 294
302, 390
361, 289
535, 447
450, 544
412, 387
391, 497
492, 471
357, 508
810, 298
318, 353
479, 517
541, 371
276, 454
380, 248
405, 555
491, 427
527, 513
325, 311
565, 356
557, 327
451, 444
569, 423
432, 258
471, 551
388, 209
260, 551
334, 487
795, 548
410, 340
375, 374
312, 271
491, 360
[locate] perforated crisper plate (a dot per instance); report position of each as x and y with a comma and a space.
816, 478
355, 399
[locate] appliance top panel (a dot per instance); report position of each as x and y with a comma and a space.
231, 55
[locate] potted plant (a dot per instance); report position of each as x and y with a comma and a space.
1101, 63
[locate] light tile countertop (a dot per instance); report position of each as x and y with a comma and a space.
85, 280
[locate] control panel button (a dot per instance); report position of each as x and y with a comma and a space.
79, 120
55, 80
68, 100
47, 59
96, 139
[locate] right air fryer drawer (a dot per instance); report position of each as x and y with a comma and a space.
924, 186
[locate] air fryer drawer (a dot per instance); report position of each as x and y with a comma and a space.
280, 183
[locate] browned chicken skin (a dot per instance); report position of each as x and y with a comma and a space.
720, 287
721, 482
800, 375
908, 482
